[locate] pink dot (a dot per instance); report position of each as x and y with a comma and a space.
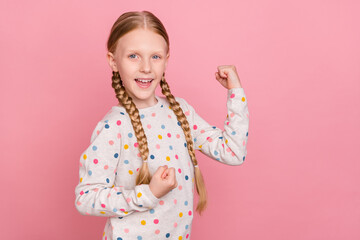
111, 142
161, 202
81, 164
97, 132
227, 123
180, 187
169, 135
190, 213
123, 210
128, 200
106, 167
232, 96
82, 192
157, 231
176, 156
209, 139
157, 146
169, 116
244, 143
119, 135
118, 122
187, 235
175, 201
136, 144
179, 170
96, 161
139, 154
156, 221
177, 135
103, 205
195, 127
96, 189
232, 114
187, 113
232, 153
228, 149
105, 238
126, 230
109, 195
202, 131
148, 126
175, 224
153, 114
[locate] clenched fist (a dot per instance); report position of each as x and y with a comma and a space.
163, 180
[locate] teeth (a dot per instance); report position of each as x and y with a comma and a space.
144, 81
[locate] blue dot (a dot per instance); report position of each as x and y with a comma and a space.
122, 113
87, 191
114, 210
171, 147
139, 237
247, 133
186, 203
140, 205
116, 155
94, 148
185, 144
167, 235
119, 238
142, 116
152, 211
93, 205
233, 133
126, 161
163, 126
195, 139
120, 217
152, 156
216, 152
107, 180
186, 177
179, 123
218, 159
107, 126
187, 226
244, 158
90, 172
220, 137
214, 127
118, 193
106, 121
162, 105
130, 135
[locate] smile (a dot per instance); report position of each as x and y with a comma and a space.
143, 82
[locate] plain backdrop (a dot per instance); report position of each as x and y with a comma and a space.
299, 64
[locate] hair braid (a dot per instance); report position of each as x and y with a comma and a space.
199, 180
143, 176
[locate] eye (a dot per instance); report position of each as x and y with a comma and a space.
158, 57
130, 56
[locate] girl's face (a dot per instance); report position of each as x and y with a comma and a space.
140, 55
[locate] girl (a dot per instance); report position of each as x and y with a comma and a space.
140, 168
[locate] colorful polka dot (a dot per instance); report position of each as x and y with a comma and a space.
143, 222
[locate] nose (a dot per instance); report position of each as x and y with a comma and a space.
145, 66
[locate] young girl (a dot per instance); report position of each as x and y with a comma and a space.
140, 168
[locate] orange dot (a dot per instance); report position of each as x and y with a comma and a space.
143, 222
139, 194
243, 99
130, 172
126, 146
160, 137
167, 158
84, 157
180, 214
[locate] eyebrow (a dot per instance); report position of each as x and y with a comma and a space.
133, 50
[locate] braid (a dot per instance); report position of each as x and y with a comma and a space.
143, 176
175, 106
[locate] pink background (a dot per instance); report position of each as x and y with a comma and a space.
298, 61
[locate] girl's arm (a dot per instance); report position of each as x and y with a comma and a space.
95, 193
227, 146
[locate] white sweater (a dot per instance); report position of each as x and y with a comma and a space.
108, 167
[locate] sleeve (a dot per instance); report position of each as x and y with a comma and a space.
95, 193
227, 146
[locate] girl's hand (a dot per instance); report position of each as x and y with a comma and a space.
228, 77
163, 180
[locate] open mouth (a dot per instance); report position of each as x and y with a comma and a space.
144, 82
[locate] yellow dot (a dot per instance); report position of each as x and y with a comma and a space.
113, 186
160, 137
103, 233
226, 141
126, 146
139, 194
126, 212
169, 107
102, 212
200, 146
180, 237
168, 158
143, 222
243, 99
130, 172
84, 157
180, 214
81, 179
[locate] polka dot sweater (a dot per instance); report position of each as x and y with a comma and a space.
109, 165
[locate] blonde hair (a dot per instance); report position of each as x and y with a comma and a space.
146, 20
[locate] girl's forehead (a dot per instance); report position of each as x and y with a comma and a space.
141, 40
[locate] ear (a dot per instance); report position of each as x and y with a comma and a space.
167, 59
111, 59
